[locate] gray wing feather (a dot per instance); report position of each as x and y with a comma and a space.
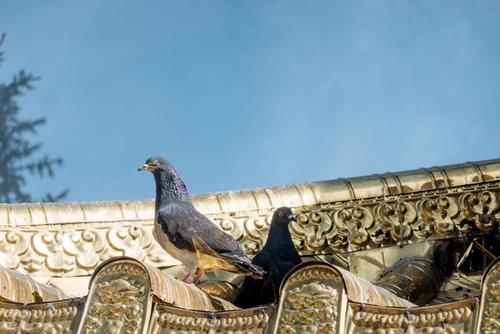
182, 223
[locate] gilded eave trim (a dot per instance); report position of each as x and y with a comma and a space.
66, 240
261, 199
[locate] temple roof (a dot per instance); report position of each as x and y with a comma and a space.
295, 195
72, 261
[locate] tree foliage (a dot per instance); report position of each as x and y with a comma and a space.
19, 155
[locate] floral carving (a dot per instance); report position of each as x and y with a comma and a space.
76, 249
189, 323
354, 223
12, 246
314, 229
481, 208
86, 246
395, 218
117, 300
250, 231
134, 241
453, 320
436, 214
490, 308
49, 245
311, 308
52, 318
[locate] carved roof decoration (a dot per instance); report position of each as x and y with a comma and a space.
232, 202
19, 288
343, 215
110, 244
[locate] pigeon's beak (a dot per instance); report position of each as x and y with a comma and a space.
144, 168
291, 217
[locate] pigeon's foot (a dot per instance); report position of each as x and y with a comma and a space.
198, 274
189, 278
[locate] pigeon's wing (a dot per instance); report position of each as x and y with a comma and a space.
254, 292
183, 224
189, 229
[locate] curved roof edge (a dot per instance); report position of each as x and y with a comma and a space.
294, 195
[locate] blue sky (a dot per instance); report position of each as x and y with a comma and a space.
241, 94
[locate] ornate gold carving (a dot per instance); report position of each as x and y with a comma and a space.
173, 321
451, 318
74, 249
359, 225
51, 318
13, 245
394, 220
249, 230
118, 300
310, 308
314, 229
314, 272
117, 305
310, 300
436, 214
490, 300
482, 208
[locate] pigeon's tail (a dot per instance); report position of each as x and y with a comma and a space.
232, 262
243, 266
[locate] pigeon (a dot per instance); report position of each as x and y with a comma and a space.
277, 258
186, 234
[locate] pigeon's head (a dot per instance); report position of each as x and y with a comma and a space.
169, 184
157, 165
283, 216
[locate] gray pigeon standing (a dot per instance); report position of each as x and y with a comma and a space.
186, 234
277, 257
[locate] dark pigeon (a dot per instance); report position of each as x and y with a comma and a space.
186, 234
277, 257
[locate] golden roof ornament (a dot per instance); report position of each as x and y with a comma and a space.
94, 267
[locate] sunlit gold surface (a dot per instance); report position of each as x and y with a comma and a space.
457, 317
489, 315
65, 244
59, 317
124, 294
16, 287
66, 240
169, 320
222, 289
317, 298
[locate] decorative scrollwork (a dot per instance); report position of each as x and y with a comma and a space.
180, 322
396, 219
134, 241
249, 231
314, 230
354, 223
117, 301
75, 249
481, 208
490, 300
53, 318
50, 246
13, 245
436, 214
310, 299
310, 308
116, 307
453, 320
